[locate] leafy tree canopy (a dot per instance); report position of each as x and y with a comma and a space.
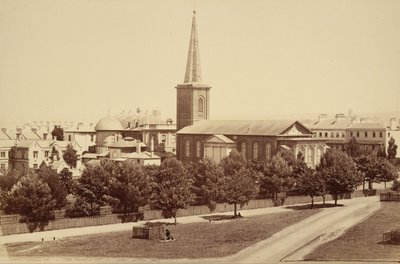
58, 133
70, 156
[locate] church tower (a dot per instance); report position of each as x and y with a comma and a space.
193, 97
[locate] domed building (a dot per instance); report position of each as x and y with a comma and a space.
108, 129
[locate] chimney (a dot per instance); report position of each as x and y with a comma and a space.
18, 136
19, 130
79, 125
248, 129
138, 146
393, 123
138, 110
321, 116
34, 130
338, 116
45, 136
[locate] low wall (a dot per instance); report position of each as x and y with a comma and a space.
9, 228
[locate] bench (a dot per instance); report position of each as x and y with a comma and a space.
214, 219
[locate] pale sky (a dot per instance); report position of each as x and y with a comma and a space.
74, 59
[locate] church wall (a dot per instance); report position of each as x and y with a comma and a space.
184, 109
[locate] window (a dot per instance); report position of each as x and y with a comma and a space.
198, 149
187, 148
326, 134
35, 154
332, 134
351, 134
380, 134
366, 134
373, 134
255, 150
337, 134
91, 138
268, 151
163, 138
46, 153
243, 149
69, 137
2, 154
201, 105
358, 134
343, 135
2, 166
320, 134
173, 138
35, 166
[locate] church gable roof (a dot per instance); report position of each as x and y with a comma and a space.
273, 127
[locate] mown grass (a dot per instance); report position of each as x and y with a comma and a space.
197, 240
364, 241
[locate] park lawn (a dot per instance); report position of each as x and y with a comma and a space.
195, 240
364, 241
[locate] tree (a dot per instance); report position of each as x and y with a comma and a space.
339, 172
57, 188
392, 149
32, 198
396, 186
7, 180
70, 156
353, 148
311, 183
58, 133
367, 165
386, 171
238, 188
206, 175
130, 185
94, 186
66, 179
276, 176
171, 189
232, 163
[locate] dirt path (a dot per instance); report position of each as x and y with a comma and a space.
293, 243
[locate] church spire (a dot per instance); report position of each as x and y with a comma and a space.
193, 70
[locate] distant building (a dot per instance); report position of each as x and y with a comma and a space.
84, 135
333, 130
33, 153
5, 152
199, 137
370, 136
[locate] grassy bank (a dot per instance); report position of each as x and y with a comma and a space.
197, 240
364, 241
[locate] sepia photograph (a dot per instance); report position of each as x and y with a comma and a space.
199, 131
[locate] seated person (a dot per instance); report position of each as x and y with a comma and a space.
168, 235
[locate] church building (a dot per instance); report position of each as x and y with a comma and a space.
200, 137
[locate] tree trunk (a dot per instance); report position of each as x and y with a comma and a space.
336, 197
369, 184
385, 184
234, 212
363, 185
312, 202
323, 200
175, 219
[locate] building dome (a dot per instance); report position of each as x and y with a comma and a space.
109, 123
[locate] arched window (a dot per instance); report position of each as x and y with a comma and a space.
268, 151
243, 149
187, 148
201, 105
198, 149
255, 150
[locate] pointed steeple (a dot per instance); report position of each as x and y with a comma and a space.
193, 70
